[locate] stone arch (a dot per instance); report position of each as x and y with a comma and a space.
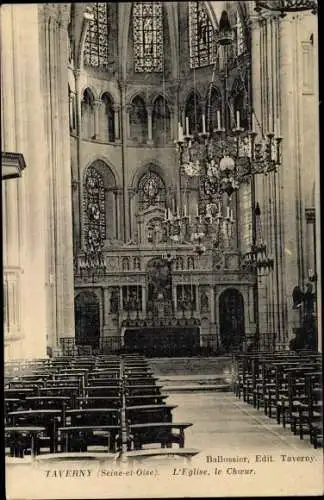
87, 318
231, 319
193, 111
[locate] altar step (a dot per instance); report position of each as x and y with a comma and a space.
193, 374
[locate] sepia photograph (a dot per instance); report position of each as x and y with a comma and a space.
161, 249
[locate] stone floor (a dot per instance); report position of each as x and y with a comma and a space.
223, 421
241, 453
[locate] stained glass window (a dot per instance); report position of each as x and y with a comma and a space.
96, 43
151, 190
240, 36
201, 36
148, 37
95, 210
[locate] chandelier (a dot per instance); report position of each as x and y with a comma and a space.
257, 258
214, 226
225, 158
286, 6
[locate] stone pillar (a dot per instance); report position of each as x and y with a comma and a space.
288, 172
116, 109
144, 301
107, 295
54, 86
97, 108
25, 199
149, 125
128, 109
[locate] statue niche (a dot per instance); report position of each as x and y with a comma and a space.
159, 287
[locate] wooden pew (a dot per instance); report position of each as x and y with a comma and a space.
45, 418
79, 438
20, 439
149, 413
158, 433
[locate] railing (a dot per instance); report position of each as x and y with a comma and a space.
208, 345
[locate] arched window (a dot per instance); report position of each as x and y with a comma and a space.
201, 36
148, 37
193, 113
240, 102
161, 122
214, 110
88, 115
95, 233
240, 40
96, 42
107, 121
151, 191
100, 202
138, 120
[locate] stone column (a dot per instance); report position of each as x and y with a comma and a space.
144, 301
54, 86
107, 295
128, 109
288, 172
116, 109
149, 125
97, 107
25, 199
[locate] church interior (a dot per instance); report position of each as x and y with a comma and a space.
160, 203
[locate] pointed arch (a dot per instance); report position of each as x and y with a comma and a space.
100, 212
151, 190
107, 118
193, 112
138, 120
88, 114
202, 46
161, 131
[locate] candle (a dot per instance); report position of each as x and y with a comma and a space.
180, 132
203, 124
237, 119
228, 212
253, 123
185, 210
187, 125
218, 120
197, 210
165, 214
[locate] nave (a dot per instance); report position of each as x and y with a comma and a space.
117, 406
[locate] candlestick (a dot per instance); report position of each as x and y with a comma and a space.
237, 119
203, 124
218, 119
187, 126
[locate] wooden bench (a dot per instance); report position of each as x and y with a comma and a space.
79, 438
158, 433
99, 401
143, 389
22, 438
137, 456
142, 399
149, 413
48, 419
48, 402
